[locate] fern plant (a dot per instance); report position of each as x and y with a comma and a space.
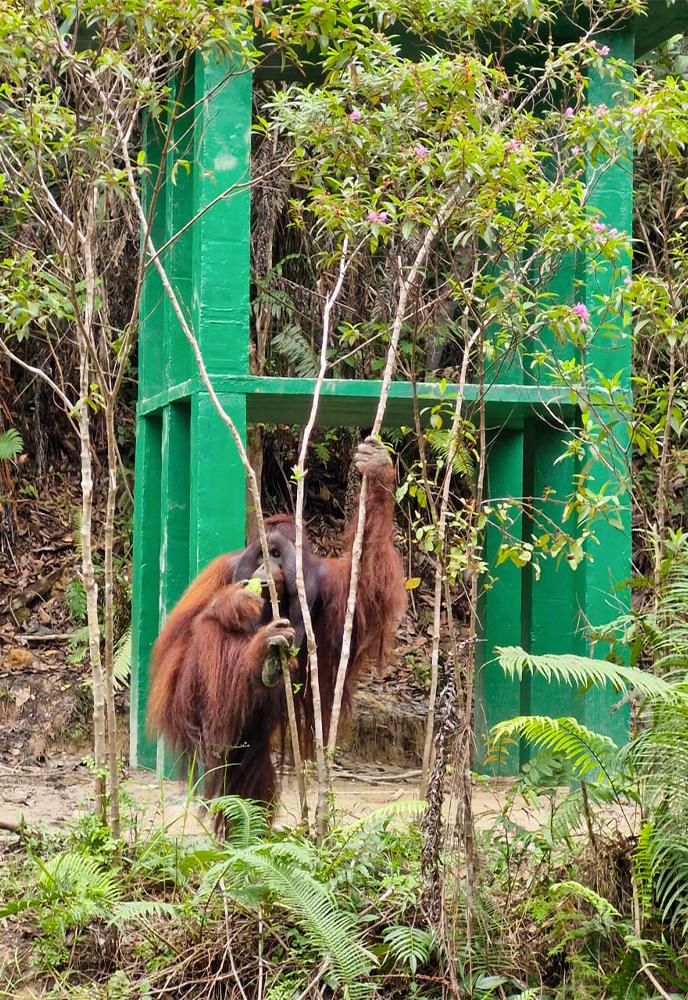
121, 664
75, 595
657, 756
583, 671
291, 345
11, 444
281, 874
653, 767
70, 889
411, 947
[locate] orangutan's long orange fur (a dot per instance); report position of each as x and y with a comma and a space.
207, 696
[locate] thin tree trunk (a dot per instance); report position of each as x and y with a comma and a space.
87, 568
109, 618
321, 806
91, 588
663, 475
440, 565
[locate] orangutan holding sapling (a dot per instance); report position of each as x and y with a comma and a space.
215, 691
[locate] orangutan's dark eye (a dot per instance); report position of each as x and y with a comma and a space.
275, 553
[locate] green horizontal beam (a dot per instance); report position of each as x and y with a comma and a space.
352, 402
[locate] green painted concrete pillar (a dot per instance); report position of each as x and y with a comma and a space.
221, 234
189, 503
501, 602
145, 598
605, 591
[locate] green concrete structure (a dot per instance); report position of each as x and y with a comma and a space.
190, 497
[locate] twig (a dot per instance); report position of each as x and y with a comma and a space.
369, 779
230, 954
440, 564
261, 956
588, 815
314, 982
64, 399
321, 806
47, 637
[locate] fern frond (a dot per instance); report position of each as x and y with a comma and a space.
75, 595
409, 946
11, 444
669, 852
284, 988
121, 664
601, 906
78, 644
583, 671
78, 888
330, 929
440, 442
583, 749
140, 910
236, 886
642, 861
407, 808
291, 345
246, 820
672, 661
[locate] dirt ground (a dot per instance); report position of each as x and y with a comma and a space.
56, 792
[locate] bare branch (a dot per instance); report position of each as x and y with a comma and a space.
321, 808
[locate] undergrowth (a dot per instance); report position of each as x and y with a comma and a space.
579, 890
268, 914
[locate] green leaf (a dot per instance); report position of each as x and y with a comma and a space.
11, 444
581, 670
585, 750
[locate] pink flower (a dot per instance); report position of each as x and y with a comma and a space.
569, 112
421, 151
602, 50
628, 280
575, 150
377, 216
582, 313
600, 109
355, 115
512, 145
422, 105
599, 227
637, 109
614, 232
